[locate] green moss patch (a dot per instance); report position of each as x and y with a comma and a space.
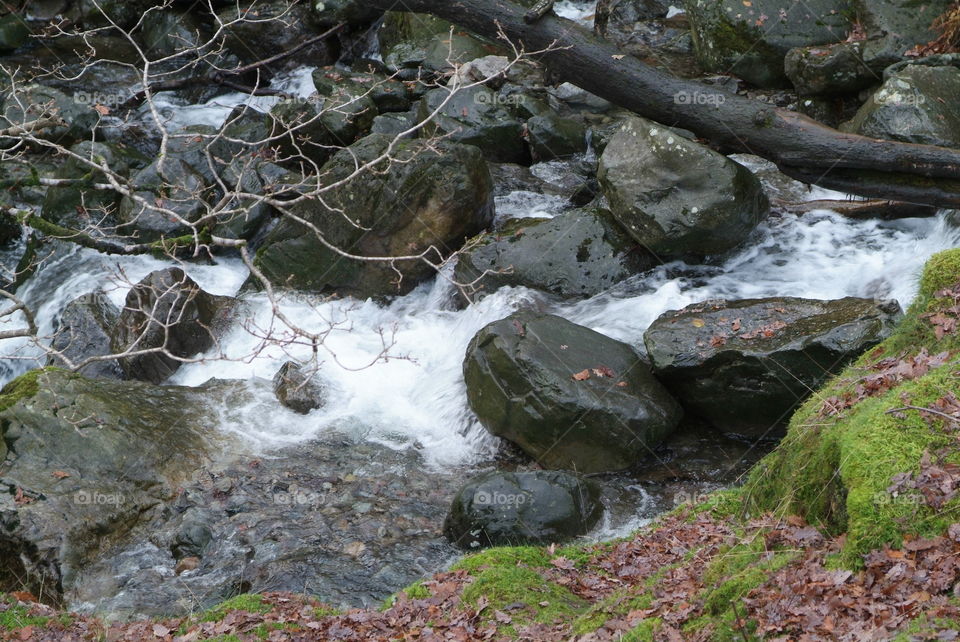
248, 602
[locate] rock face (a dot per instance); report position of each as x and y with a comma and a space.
745, 365
568, 396
434, 198
90, 457
540, 507
293, 24
169, 313
132, 504
297, 389
917, 104
675, 197
841, 68
84, 330
751, 40
579, 253
476, 116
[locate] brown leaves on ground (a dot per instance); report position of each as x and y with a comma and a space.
803, 600
884, 375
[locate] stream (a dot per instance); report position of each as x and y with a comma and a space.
393, 370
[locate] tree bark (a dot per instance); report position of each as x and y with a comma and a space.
800, 146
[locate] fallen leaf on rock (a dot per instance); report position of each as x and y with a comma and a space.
698, 323
603, 371
583, 375
59, 474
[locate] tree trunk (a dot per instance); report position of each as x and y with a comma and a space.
801, 147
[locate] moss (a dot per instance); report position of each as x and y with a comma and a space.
504, 556
328, 611
835, 470
17, 617
248, 602
529, 595
23, 387
416, 591
643, 632
925, 627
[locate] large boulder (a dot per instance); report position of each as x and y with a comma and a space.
917, 104
83, 330
436, 195
676, 197
750, 39
476, 116
745, 365
411, 40
32, 102
169, 317
90, 459
568, 396
579, 253
540, 507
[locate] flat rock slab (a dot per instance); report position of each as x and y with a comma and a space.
745, 365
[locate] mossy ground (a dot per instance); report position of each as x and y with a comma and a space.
834, 469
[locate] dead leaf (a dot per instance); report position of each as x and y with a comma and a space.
59, 474
698, 323
583, 375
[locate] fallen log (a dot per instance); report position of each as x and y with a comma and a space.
801, 147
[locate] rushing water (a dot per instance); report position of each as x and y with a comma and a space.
393, 371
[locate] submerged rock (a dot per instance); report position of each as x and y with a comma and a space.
435, 195
90, 458
745, 365
579, 253
539, 507
297, 389
675, 197
170, 316
917, 104
568, 396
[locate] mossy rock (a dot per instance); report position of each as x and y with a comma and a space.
835, 468
570, 397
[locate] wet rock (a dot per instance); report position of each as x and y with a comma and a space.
641, 28
751, 40
164, 33
106, 13
579, 253
34, 102
902, 25
475, 116
92, 458
568, 396
166, 312
273, 27
841, 68
297, 389
336, 116
14, 32
289, 522
917, 104
83, 330
745, 365
675, 197
539, 507
82, 208
410, 40
430, 197
551, 136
